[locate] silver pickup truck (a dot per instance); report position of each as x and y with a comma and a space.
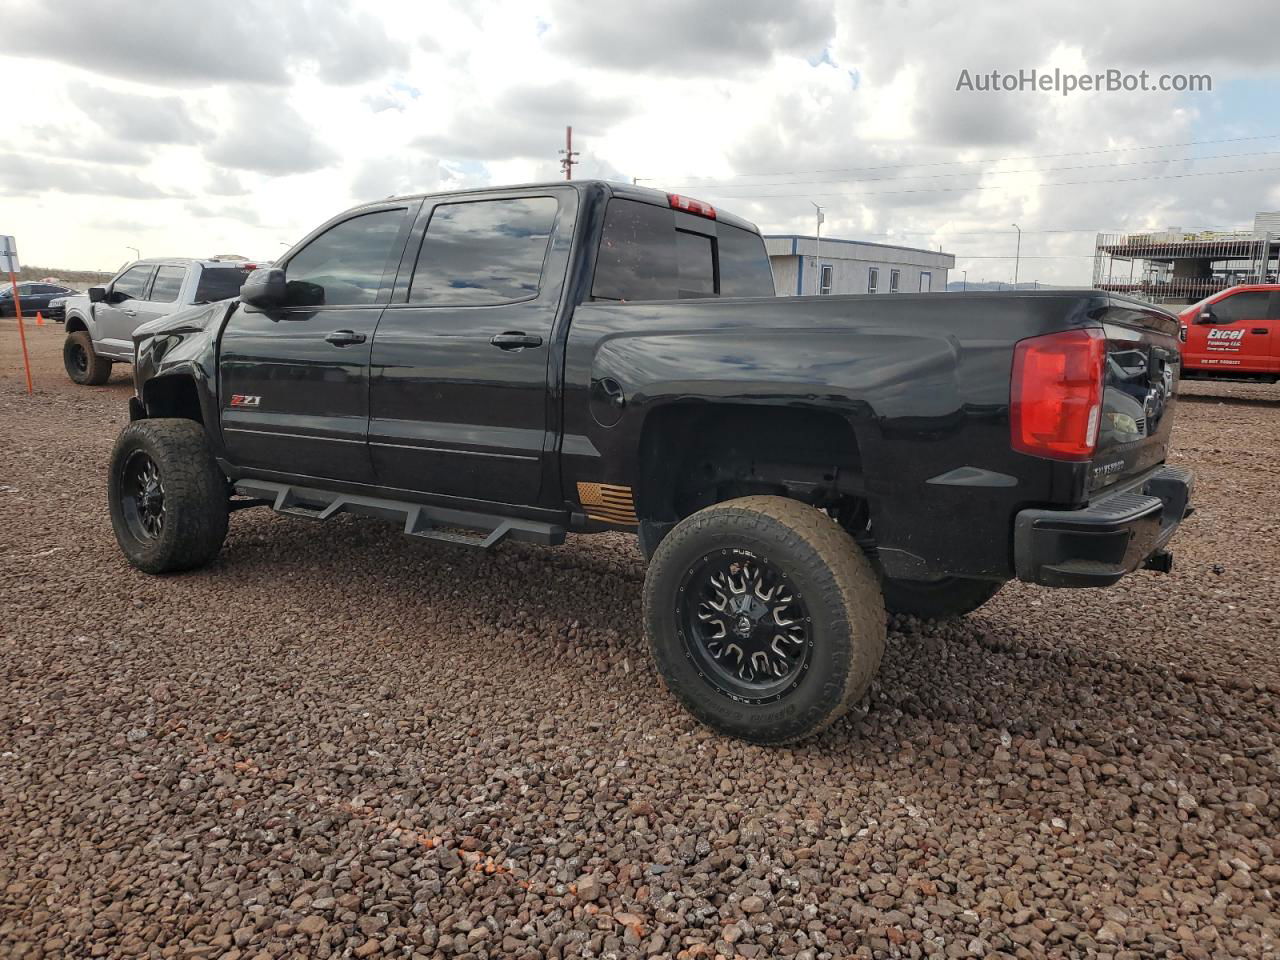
100, 323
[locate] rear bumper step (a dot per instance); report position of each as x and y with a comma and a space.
420, 520
1098, 545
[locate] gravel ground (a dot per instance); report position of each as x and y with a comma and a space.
337, 742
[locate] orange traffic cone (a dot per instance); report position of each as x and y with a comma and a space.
39, 319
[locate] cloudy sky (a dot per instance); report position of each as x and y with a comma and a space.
187, 129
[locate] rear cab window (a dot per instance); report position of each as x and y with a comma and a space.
219, 283
650, 252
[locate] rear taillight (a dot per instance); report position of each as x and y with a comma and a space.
690, 205
1056, 399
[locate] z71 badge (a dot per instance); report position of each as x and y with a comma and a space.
245, 400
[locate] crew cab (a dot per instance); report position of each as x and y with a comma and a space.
517, 363
1233, 334
100, 323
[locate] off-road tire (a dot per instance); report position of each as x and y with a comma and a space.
937, 599
194, 496
81, 361
846, 620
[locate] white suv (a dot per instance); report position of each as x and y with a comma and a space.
100, 323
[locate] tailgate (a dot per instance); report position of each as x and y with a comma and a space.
1140, 386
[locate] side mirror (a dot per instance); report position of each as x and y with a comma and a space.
264, 288
1206, 316
97, 294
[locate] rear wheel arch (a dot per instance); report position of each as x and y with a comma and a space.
692, 455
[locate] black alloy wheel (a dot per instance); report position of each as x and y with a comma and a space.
78, 358
745, 626
764, 618
142, 496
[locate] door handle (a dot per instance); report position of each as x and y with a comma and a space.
344, 338
1259, 330
131, 313
514, 340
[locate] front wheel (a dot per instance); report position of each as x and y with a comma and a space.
167, 497
81, 361
937, 599
764, 618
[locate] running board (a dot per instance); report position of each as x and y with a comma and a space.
420, 520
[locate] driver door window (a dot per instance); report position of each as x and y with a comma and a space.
345, 265
132, 284
1242, 306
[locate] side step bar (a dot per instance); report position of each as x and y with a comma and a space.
428, 522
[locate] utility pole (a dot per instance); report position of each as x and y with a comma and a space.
568, 153
136, 254
965, 285
1017, 258
817, 253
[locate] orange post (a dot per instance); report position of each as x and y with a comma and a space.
22, 331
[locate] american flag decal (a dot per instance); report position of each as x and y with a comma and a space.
610, 502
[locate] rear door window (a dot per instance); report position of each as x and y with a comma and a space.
167, 284
647, 254
483, 252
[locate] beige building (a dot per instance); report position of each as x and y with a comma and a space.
803, 266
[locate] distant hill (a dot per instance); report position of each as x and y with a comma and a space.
72, 278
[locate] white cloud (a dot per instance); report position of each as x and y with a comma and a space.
242, 128
268, 136
135, 119
172, 43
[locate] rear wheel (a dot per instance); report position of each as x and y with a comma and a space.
937, 599
764, 618
82, 363
167, 497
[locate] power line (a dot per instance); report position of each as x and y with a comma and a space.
1061, 183
946, 163
993, 173
1001, 233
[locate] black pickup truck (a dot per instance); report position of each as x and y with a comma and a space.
522, 362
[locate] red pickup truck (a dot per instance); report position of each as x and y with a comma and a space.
1233, 335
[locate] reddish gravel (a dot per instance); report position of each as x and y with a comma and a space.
337, 742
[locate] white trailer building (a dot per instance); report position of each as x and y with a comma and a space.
804, 266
